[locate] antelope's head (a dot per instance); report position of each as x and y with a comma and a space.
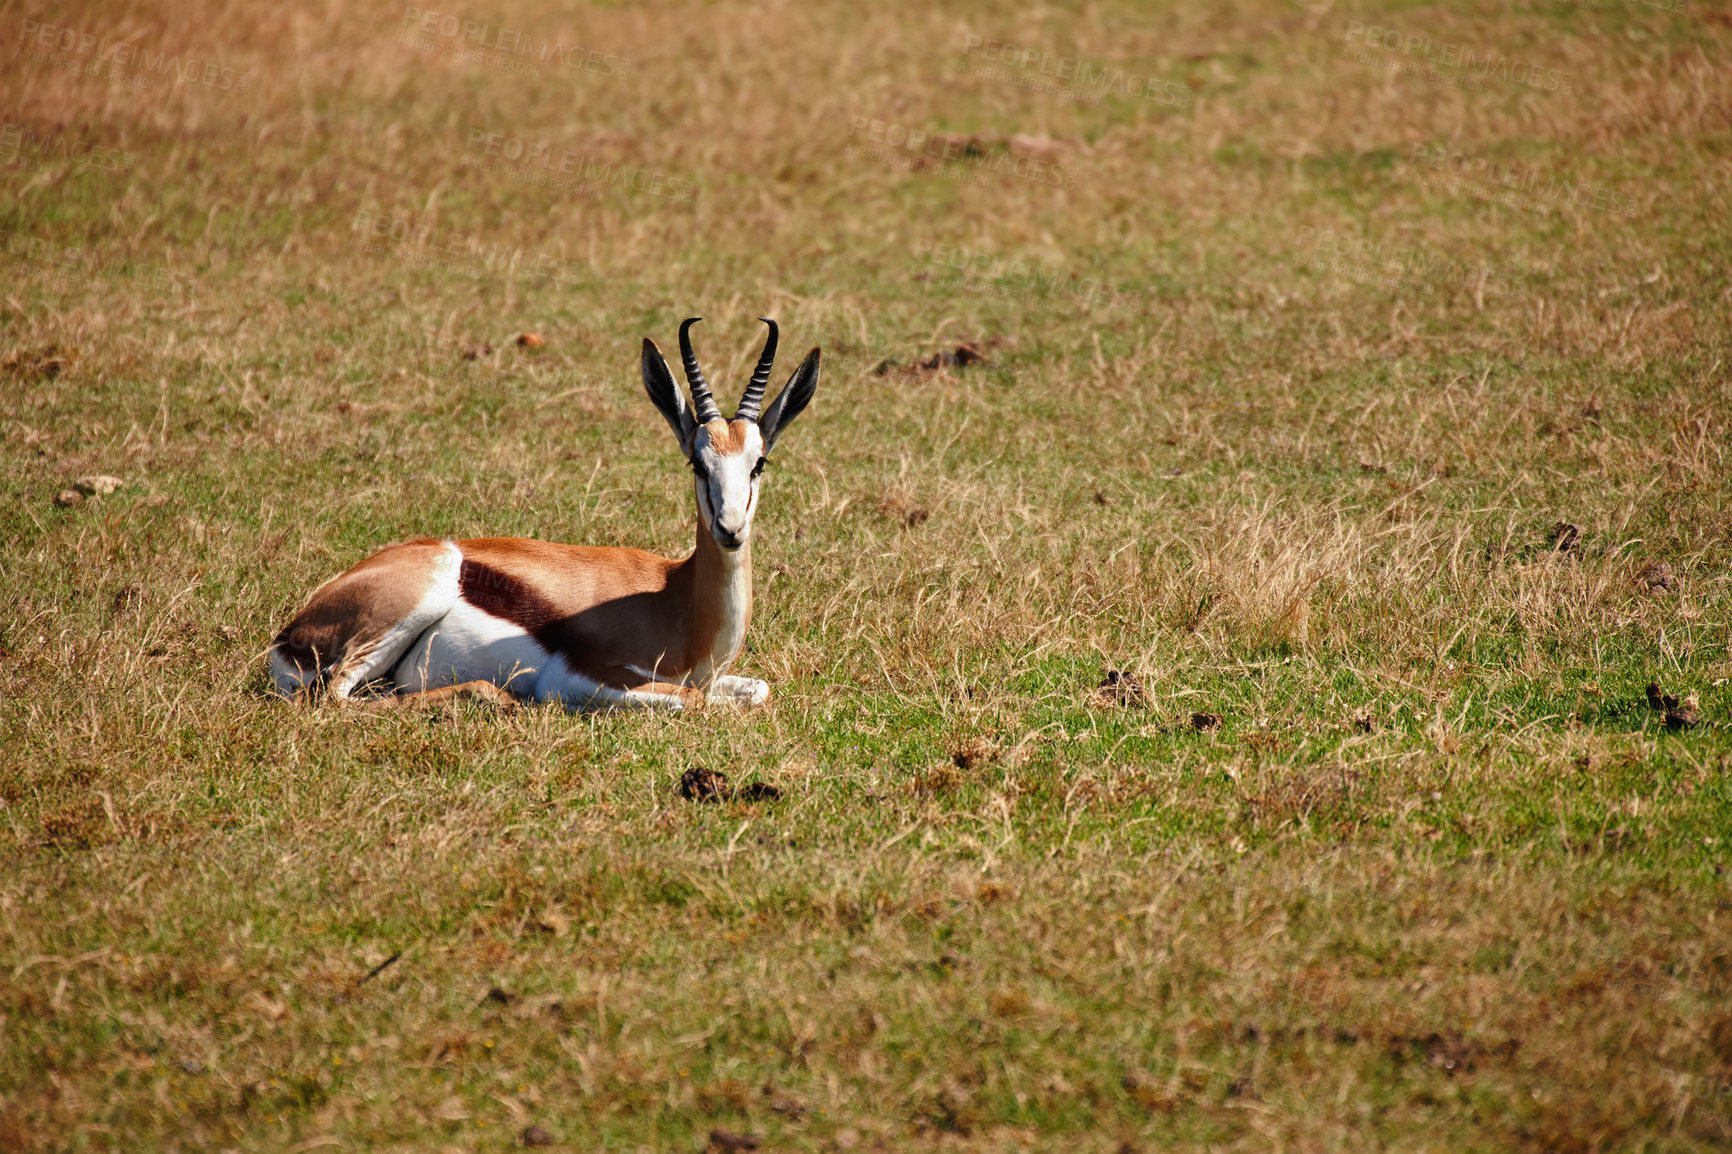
727, 456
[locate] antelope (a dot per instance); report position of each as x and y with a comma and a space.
509, 619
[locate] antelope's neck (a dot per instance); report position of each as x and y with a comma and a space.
721, 606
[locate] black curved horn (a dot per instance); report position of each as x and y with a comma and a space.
752, 400
701, 399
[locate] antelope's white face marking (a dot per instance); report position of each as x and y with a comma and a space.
726, 463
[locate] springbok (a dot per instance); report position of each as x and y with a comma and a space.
508, 618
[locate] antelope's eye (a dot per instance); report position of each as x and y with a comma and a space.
698, 469
759, 467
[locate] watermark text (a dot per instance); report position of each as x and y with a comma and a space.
398, 236
496, 46
128, 62
1448, 62
1066, 77
549, 165
23, 147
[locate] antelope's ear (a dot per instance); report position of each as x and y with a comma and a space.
792, 401
666, 396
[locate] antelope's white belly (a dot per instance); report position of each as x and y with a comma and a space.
470, 645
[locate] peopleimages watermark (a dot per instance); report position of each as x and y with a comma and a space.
67, 267
953, 157
547, 165
1714, 1093
1368, 262
125, 62
510, 49
426, 246
1067, 77
22, 147
991, 275
1660, 5
1518, 186
1450, 63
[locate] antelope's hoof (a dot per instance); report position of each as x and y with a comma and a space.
740, 691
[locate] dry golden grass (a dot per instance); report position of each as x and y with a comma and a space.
1272, 418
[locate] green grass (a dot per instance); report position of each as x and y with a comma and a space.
1439, 879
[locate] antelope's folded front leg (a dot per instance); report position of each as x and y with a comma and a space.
653, 695
620, 687
739, 690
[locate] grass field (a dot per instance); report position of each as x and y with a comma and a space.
1305, 329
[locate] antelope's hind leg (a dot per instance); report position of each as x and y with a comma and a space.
483, 691
357, 625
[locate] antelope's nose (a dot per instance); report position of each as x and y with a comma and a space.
727, 539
